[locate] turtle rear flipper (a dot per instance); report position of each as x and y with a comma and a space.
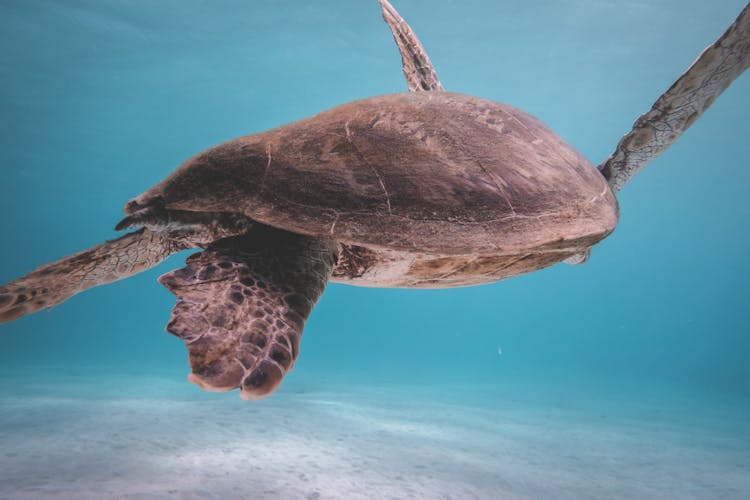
242, 304
54, 283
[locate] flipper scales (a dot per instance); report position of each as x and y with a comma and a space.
242, 304
678, 108
418, 70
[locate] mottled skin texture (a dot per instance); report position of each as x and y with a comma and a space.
425, 189
242, 304
678, 108
418, 70
53, 283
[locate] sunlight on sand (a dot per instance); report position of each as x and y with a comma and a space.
86, 441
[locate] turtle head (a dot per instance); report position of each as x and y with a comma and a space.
579, 258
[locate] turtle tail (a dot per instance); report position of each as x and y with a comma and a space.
113, 260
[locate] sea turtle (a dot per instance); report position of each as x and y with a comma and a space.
419, 189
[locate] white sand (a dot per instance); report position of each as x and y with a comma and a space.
107, 437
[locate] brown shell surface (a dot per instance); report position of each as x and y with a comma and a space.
425, 177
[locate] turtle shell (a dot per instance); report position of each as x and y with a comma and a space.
434, 173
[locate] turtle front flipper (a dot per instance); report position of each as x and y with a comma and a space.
242, 304
679, 107
418, 70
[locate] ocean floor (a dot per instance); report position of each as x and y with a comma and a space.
110, 436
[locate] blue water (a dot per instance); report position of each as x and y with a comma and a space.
624, 377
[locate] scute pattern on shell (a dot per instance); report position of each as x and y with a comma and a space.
432, 172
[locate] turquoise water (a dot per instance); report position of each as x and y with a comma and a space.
626, 377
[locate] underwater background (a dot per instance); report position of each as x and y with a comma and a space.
626, 377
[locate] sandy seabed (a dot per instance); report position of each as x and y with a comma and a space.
107, 436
